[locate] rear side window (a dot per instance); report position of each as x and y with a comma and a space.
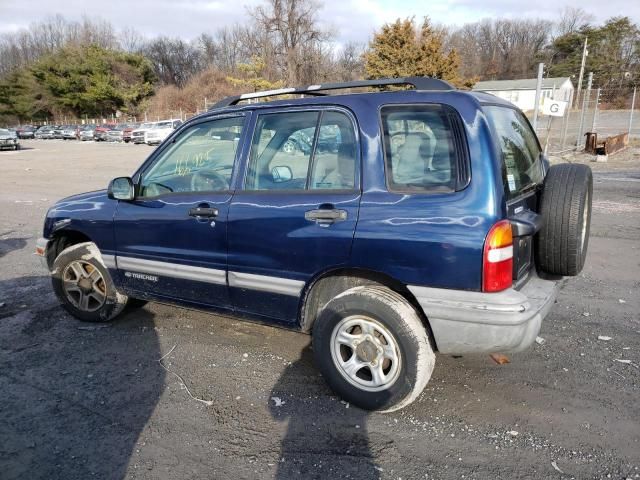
303, 150
420, 148
521, 156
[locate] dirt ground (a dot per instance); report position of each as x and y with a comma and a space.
83, 401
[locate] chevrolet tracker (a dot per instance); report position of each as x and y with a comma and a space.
388, 224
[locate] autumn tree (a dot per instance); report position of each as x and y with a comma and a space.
401, 49
251, 76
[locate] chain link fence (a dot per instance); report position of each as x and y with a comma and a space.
154, 115
607, 112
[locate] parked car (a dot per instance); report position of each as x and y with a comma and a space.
26, 132
302, 141
160, 130
57, 132
39, 131
128, 131
116, 133
44, 133
86, 132
8, 140
70, 132
137, 135
101, 131
436, 225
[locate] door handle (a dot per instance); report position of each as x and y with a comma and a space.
203, 212
325, 217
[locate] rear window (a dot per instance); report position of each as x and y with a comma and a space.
420, 153
521, 155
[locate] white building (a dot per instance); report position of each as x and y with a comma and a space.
522, 93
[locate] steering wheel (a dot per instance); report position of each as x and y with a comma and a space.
209, 180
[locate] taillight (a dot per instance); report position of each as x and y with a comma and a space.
497, 264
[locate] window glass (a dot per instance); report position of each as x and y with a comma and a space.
419, 148
521, 159
283, 153
334, 163
200, 159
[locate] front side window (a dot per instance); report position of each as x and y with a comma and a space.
200, 159
310, 150
420, 151
521, 156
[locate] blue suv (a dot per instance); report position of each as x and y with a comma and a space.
417, 221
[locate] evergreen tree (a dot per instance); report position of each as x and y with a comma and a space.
402, 50
88, 80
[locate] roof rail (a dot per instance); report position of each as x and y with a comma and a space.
419, 83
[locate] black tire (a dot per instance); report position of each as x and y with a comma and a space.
88, 255
565, 206
391, 314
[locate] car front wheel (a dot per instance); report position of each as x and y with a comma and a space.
83, 285
371, 347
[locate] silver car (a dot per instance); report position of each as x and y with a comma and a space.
87, 133
8, 140
70, 132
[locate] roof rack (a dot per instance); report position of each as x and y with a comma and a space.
419, 83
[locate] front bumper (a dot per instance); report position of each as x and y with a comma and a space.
475, 322
41, 251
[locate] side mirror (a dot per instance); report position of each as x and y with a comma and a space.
121, 188
281, 174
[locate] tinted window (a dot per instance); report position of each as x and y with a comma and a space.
201, 159
419, 148
302, 150
521, 159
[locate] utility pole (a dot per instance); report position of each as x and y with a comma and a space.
633, 105
536, 103
585, 52
585, 100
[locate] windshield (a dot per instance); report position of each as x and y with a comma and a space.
163, 125
521, 155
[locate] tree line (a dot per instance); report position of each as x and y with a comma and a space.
87, 67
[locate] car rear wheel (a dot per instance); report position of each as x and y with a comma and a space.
371, 347
565, 206
83, 285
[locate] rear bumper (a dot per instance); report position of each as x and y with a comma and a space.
475, 322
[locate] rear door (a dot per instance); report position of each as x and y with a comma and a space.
522, 177
297, 211
172, 239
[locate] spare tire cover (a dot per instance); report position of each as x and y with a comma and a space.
565, 206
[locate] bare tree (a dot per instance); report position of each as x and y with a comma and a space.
27, 45
503, 48
348, 62
131, 40
294, 32
175, 61
572, 19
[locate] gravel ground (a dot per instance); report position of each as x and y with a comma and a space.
86, 401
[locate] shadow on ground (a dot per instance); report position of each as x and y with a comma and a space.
317, 443
10, 244
76, 396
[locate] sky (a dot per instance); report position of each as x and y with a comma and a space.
351, 20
